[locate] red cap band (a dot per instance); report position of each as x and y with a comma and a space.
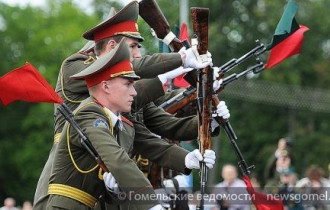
122, 27
113, 71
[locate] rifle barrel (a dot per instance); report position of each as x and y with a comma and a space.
245, 169
234, 62
255, 69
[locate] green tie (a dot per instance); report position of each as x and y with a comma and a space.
116, 131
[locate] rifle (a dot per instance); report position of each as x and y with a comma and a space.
245, 169
184, 98
68, 115
177, 102
200, 21
151, 13
259, 49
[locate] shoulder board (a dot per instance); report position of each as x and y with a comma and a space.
77, 56
124, 119
90, 59
85, 104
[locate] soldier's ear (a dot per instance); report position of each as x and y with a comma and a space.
105, 86
112, 44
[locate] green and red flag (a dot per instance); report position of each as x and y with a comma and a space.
260, 200
26, 84
288, 37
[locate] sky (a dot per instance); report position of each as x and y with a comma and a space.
24, 2
40, 3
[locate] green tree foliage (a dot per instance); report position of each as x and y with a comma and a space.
234, 26
43, 38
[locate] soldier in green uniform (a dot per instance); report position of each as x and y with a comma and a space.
73, 92
76, 180
159, 121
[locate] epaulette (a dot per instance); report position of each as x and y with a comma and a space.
124, 119
89, 60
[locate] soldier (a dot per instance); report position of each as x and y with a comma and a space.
106, 36
76, 182
73, 92
154, 117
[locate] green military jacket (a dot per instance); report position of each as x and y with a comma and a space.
72, 167
150, 66
168, 126
74, 91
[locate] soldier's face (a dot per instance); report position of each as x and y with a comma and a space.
134, 47
121, 94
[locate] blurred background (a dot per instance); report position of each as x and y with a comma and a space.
290, 100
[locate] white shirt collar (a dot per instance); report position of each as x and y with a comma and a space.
115, 118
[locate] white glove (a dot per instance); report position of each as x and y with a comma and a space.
172, 74
157, 207
110, 183
209, 158
169, 186
193, 158
216, 83
182, 181
222, 111
190, 60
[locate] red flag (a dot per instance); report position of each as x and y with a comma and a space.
179, 81
27, 84
260, 200
288, 47
184, 33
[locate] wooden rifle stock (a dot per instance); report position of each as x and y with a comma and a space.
179, 101
151, 13
177, 106
200, 22
200, 19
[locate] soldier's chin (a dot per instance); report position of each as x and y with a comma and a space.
127, 109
